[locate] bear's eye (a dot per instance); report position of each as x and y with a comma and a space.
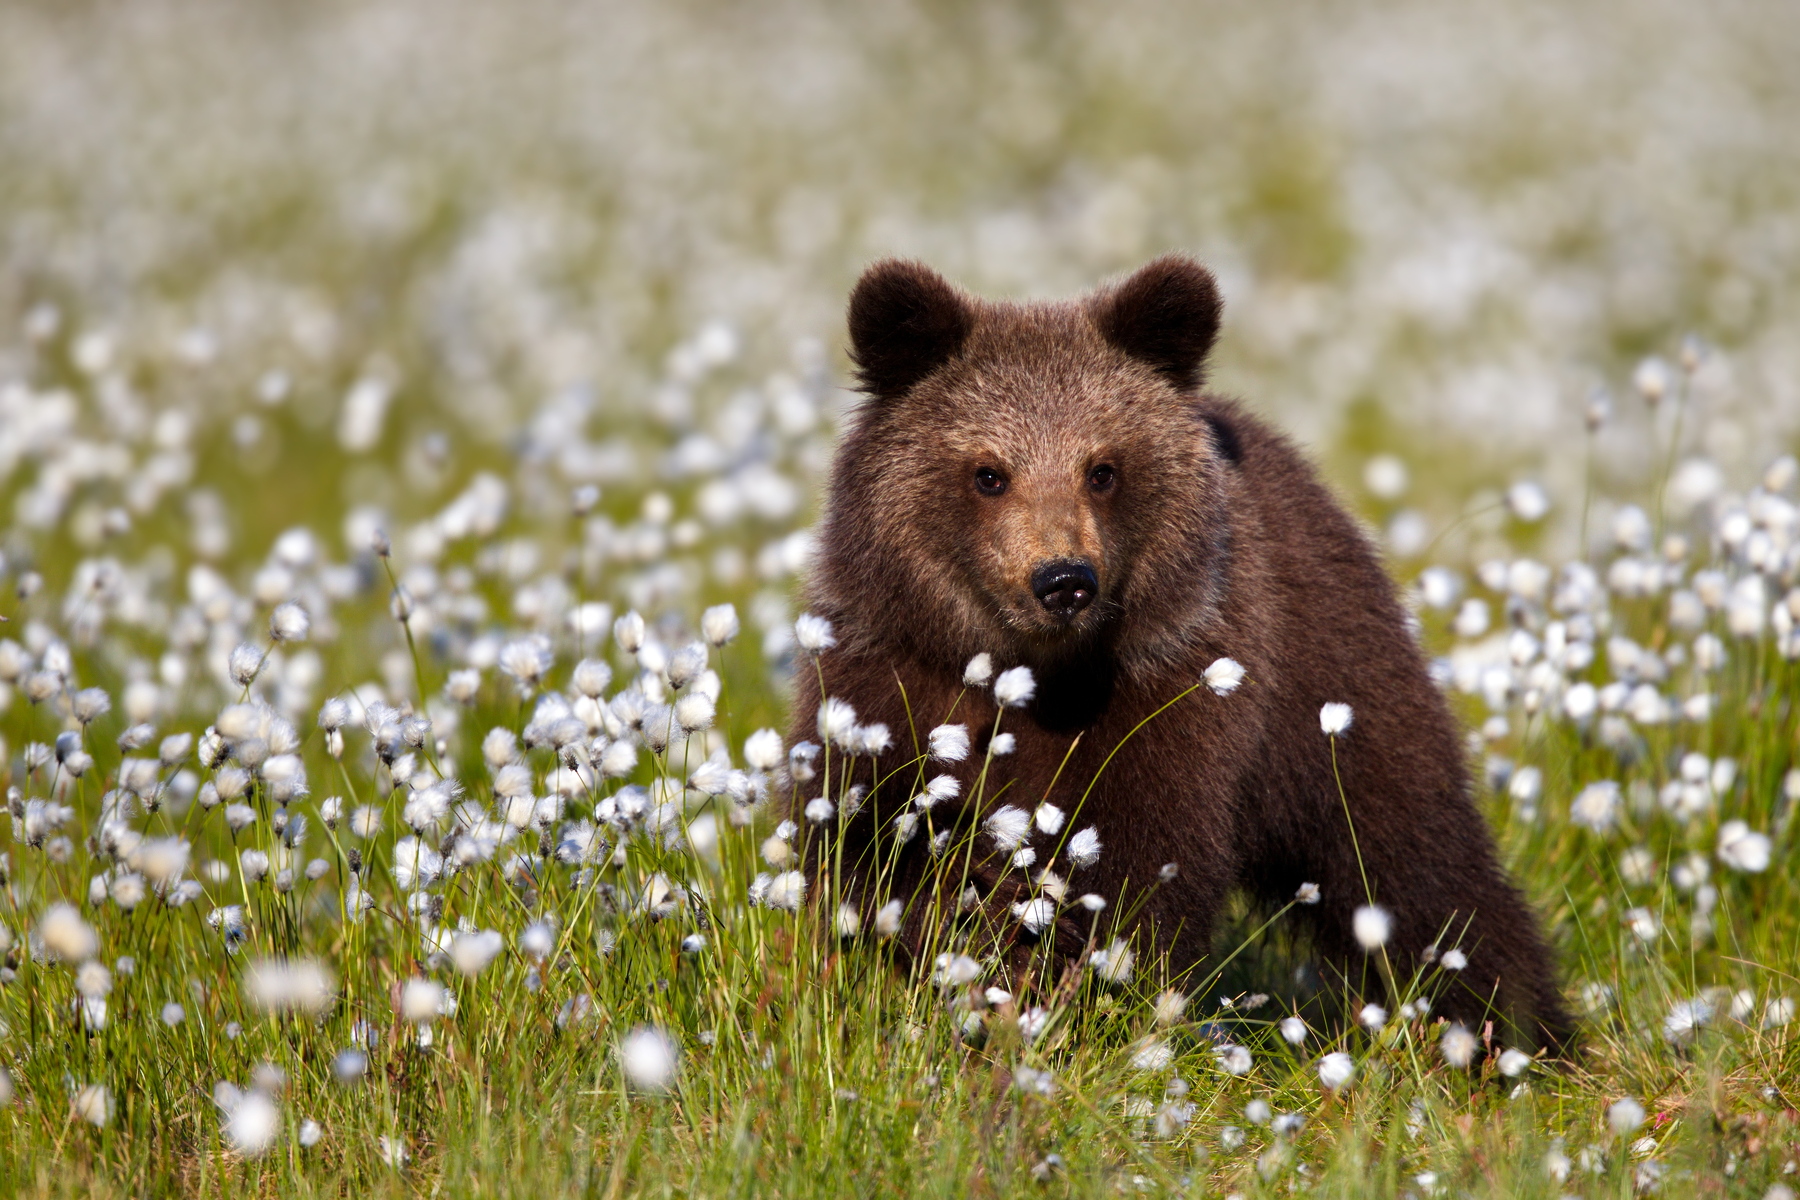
1102, 478
990, 481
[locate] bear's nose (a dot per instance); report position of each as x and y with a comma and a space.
1064, 588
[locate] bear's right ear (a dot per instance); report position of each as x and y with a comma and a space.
905, 321
1165, 315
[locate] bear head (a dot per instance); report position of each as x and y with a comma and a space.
1035, 480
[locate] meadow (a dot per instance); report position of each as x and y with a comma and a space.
410, 432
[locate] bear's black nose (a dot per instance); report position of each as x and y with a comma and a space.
1064, 588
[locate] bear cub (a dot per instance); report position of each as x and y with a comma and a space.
1048, 485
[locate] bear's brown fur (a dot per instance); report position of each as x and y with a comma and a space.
1002, 443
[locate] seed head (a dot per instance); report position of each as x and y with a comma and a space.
649, 1059
245, 661
1335, 1070
289, 623
949, 743
65, 934
1334, 719
813, 634
1458, 1046
1084, 848
1224, 676
1371, 924
1015, 688
719, 624
1623, 1116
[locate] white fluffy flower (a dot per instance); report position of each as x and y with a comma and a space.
252, 1123
421, 1000
1293, 1030
1743, 849
628, 632
694, 712
288, 985
1015, 688
1009, 827
1048, 818
1596, 807
65, 934
762, 750
1084, 848
813, 634
1335, 1070
1513, 1063
949, 743
1371, 924
1458, 1046
289, 623
649, 1058
837, 721
1334, 718
1623, 1116
1224, 675
719, 624
1035, 915
979, 671
473, 952
786, 891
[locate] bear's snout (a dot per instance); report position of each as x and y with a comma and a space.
1064, 588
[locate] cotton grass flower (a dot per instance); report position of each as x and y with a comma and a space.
1008, 827
979, 671
1233, 1059
1596, 806
1624, 1116
949, 743
1015, 688
1336, 1070
289, 623
1371, 925
787, 891
1035, 915
1292, 1029
93, 1104
251, 1124
1513, 1062
1742, 849
1224, 676
649, 1059
348, 1066
813, 633
65, 934
1458, 1046
421, 1000
1084, 848
1334, 719
472, 953
289, 985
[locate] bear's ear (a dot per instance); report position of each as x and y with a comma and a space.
905, 321
1166, 315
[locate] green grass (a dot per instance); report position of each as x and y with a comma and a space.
815, 1064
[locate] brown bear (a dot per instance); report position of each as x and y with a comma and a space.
1047, 484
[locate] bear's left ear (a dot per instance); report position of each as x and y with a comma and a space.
1165, 315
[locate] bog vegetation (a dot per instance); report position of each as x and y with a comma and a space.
398, 619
